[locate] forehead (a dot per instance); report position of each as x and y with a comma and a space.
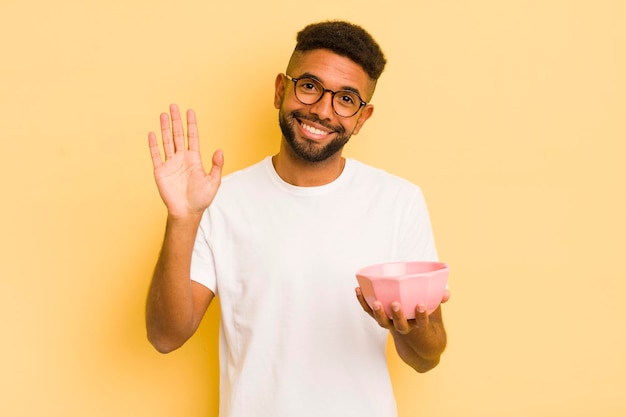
334, 71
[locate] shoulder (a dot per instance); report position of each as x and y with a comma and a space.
253, 178
243, 175
379, 179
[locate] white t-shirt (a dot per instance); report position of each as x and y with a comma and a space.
294, 340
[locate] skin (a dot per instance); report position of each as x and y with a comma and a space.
336, 73
420, 341
175, 304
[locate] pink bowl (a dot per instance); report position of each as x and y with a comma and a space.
409, 283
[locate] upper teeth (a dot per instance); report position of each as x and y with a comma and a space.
313, 130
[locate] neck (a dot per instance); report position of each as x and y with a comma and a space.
302, 173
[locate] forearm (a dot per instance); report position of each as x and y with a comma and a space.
422, 348
170, 318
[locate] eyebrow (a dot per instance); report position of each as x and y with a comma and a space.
345, 88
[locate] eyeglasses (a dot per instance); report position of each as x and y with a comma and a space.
310, 91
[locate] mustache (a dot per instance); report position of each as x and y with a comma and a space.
338, 129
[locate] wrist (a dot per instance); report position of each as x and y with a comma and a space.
186, 220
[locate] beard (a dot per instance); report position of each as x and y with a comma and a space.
307, 149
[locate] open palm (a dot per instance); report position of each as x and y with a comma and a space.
184, 185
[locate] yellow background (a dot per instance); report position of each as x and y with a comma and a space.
509, 114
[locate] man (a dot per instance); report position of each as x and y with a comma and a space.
281, 241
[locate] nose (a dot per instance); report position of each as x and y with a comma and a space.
324, 107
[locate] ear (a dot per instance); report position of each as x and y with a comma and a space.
279, 90
366, 113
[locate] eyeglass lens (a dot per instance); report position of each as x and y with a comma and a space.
310, 91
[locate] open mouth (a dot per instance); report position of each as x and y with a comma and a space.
314, 132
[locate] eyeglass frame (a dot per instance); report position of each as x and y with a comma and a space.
324, 91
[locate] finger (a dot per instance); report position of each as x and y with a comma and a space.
364, 305
446, 296
380, 316
399, 321
177, 128
155, 154
192, 131
215, 175
421, 317
166, 136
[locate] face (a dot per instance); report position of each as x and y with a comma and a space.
315, 132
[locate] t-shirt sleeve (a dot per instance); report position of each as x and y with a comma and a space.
202, 262
417, 242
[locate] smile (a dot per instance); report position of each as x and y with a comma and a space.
315, 131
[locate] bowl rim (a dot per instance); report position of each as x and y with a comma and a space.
441, 266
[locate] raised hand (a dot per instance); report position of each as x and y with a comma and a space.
184, 185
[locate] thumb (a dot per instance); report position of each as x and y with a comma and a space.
217, 165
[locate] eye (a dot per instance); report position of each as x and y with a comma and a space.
347, 99
308, 86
